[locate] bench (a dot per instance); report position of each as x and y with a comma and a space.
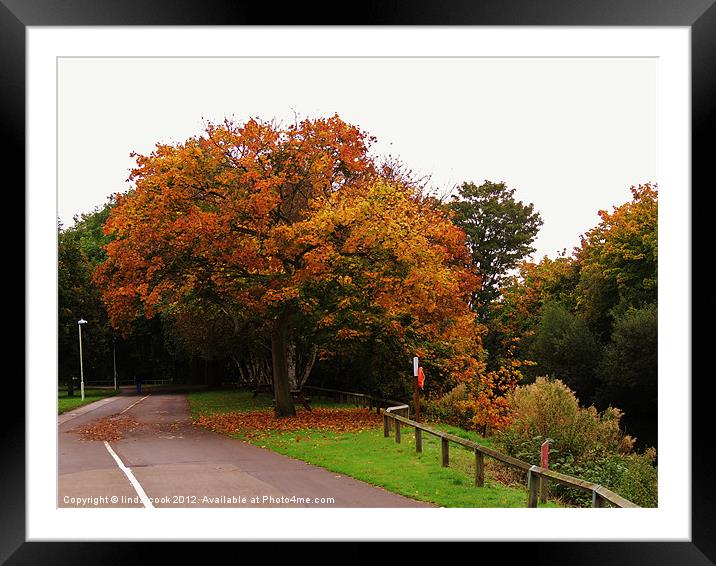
262, 388
298, 397
296, 394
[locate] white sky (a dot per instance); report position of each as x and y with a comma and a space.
571, 135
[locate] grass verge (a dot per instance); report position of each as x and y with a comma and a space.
368, 456
65, 403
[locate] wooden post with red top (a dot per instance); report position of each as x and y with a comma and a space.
544, 463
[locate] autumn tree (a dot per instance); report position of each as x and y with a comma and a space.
500, 231
590, 318
81, 248
292, 226
516, 316
619, 261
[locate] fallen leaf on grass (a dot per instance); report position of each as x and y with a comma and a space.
256, 424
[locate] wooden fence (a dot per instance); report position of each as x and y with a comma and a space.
398, 414
357, 399
105, 384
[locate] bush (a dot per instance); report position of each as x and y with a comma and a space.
583, 442
639, 481
453, 408
549, 409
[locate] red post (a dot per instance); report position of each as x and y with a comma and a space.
544, 463
544, 460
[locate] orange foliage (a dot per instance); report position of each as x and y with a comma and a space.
261, 219
218, 215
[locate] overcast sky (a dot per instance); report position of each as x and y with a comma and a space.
570, 135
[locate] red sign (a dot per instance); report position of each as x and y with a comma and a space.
421, 377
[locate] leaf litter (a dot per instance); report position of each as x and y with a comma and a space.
256, 424
108, 429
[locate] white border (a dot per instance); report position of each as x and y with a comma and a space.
671, 521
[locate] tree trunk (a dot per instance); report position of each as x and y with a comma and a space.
292, 365
279, 354
308, 366
239, 367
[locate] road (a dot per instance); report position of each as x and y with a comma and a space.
167, 462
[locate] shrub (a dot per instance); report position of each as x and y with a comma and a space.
583, 442
633, 476
452, 408
549, 409
639, 481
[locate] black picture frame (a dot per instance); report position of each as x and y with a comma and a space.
699, 15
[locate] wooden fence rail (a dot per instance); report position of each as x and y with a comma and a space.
357, 399
535, 474
398, 414
120, 383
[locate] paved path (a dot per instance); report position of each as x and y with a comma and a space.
167, 462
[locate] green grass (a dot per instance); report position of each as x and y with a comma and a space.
369, 456
65, 403
380, 461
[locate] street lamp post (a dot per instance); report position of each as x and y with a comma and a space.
80, 322
114, 361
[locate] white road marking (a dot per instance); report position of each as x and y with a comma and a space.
130, 476
133, 404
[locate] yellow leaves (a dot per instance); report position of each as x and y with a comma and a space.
258, 216
326, 321
345, 303
348, 333
280, 295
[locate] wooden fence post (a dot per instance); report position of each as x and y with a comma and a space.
544, 463
386, 426
446, 452
397, 431
418, 440
532, 489
597, 500
479, 468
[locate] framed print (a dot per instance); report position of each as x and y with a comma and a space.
156, 129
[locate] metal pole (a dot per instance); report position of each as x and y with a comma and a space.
82, 375
114, 363
416, 400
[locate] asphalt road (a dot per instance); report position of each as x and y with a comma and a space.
167, 462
